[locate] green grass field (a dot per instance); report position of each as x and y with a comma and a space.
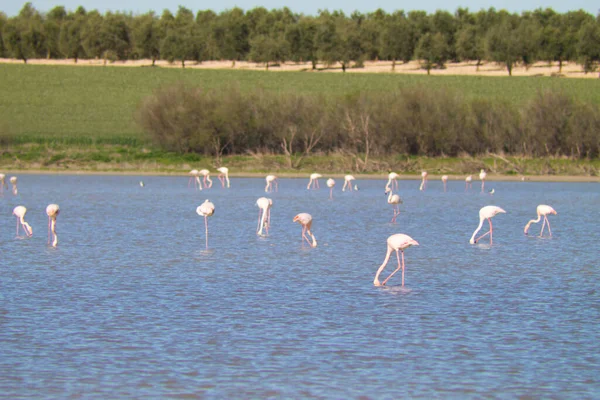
95, 105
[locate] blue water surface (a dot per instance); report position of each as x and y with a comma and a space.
131, 304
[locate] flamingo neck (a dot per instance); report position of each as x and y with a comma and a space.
381, 268
472, 240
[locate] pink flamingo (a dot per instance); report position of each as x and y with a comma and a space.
542, 210
206, 209
264, 214
394, 200
223, 176
52, 211
2, 184
482, 176
398, 243
206, 174
348, 182
195, 178
19, 212
392, 182
306, 221
330, 185
468, 182
424, 175
314, 181
271, 179
13, 181
444, 181
486, 212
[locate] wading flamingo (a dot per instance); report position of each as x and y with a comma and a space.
392, 182
270, 179
19, 212
398, 243
444, 181
482, 176
542, 211
206, 174
223, 176
206, 210
314, 181
424, 175
264, 214
468, 182
394, 200
486, 212
2, 184
195, 178
330, 185
52, 211
347, 183
13, 182
306, 221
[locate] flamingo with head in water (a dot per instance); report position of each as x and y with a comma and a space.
305, 220
487, 212
398, 243
52, 211
13, 182
424, 175
542, 211
19, 212
347, 183
482, 176
206, 180
195, 178
468, 182
271, 180
314, 181
223, 176
264, 214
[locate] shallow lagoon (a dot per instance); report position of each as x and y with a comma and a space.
131, 304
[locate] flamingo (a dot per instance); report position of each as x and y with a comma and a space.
13, 182
468, 182
314, 181
206, 209
264, 214
444, 181
394, 200
392, 181
52, 211
306, 221
486, 212
223, 176
206, 174
2, 184
398, 242
19, 212
423, 180
195, 177
270, 180
482, 176
542, 210
347, 182
330, 185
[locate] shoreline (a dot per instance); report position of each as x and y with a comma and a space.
293, 175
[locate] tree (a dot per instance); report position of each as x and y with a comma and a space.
3, 21
230, 35
180, 42
146, 38
470, 45
267, 48
114, 36
301, 40
432, 50
23, 35
70, 42
396, 39
502, 45
51, 27
588, 49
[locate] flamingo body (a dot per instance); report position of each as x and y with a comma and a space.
224, 176
392, 182
398, 243
206, 180
444, 181
395, 201
264, 214
423, 185
482, 176
270, 179
13, 182
206, 209
542, 211
19, 212
468, 182
347, 183
487, 212
314, 181
195, 178
305, 220
52, 211
330, 185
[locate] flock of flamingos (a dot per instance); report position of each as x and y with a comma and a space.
397, 242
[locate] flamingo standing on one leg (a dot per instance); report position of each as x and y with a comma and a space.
348, 182
264, 214
482, 176
444, 181
468, 182
19, 212
394, 200
486, 212
314, 181
424, 175
206, 210
206, 174
398, 243
306, 221
542, 210
392, 182
52, 211
223, 176
270, 179
13, 182
195, 178
330, 185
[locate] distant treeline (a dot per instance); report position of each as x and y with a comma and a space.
415, 121
331, 37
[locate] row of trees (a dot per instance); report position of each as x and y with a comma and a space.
280, 35
416, 121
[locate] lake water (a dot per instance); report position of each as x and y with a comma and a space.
132, 304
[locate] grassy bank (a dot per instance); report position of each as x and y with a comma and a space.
148, 160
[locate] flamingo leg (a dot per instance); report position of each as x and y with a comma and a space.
543, 226
206, 226
330, 193
491, 229
400, 266
549, 230
268, 220
17, 227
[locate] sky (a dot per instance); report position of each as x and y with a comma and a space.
307, 7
